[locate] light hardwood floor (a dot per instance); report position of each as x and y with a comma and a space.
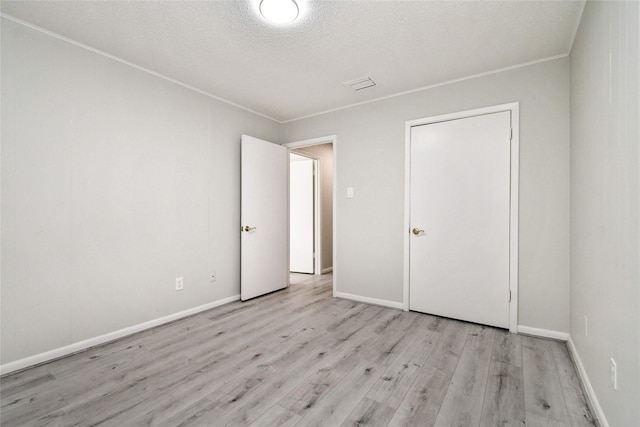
300, 357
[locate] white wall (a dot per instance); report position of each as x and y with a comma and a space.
114, 182
370, 242
324, 153
605, 186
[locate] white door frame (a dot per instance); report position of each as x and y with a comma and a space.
317, 231
331, 139
514, 108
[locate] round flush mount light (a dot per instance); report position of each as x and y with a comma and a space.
279, 11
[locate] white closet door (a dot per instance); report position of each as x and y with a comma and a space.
460, 201
301, 214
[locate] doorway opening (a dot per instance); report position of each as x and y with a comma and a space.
324, 151
311, 197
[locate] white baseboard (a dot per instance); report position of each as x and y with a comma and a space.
327, 270
102, 339
367, 300
584, 379
543, 333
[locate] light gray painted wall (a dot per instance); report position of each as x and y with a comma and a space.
324, 153
372, 138
114, 182
605, 218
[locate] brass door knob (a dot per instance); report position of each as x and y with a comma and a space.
417, 231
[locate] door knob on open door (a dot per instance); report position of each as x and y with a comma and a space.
417, 231
247, 228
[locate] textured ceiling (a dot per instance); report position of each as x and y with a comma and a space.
224, 47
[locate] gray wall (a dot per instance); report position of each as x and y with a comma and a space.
605, 186
324, 153
114, 182
371, 140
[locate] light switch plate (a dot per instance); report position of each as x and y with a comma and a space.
349, 192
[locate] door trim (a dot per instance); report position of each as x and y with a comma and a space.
331, 139
514, 108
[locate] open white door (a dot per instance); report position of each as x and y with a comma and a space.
264, 263
301, 212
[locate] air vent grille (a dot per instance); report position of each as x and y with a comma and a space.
362, 83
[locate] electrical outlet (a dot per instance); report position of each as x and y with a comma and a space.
614, 374
179, 283
586, 326
213, 276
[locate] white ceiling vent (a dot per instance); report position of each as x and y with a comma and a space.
359, 84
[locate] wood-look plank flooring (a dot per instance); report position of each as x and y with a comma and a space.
299, 357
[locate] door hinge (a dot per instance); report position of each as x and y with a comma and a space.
511, 135
509, 296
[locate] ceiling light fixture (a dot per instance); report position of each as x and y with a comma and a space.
279, 11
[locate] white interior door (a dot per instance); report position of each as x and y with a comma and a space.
460, 198
263, 217
301, 210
